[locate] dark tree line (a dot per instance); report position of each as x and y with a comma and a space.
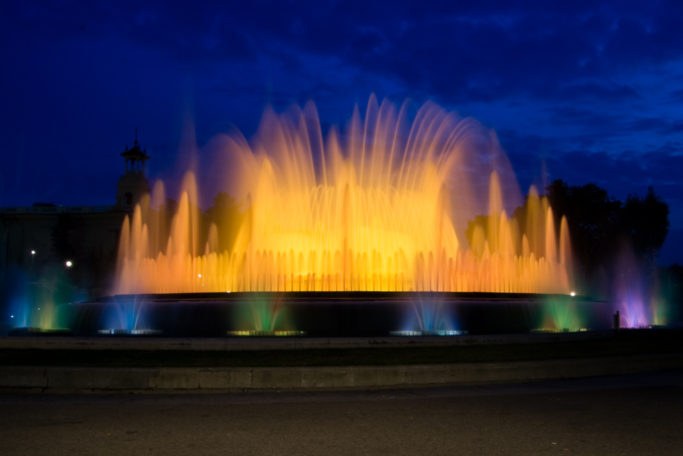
600, 224
603, 230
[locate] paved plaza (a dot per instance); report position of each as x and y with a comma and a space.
637, 414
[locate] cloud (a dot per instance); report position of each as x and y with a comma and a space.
621, 173
598, 92
591, 89
460, 53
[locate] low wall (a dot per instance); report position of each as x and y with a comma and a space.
180, 379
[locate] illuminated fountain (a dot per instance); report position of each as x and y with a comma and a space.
561, 314
264, 316
41, 306
378, 212
431, 316
387, 206
127, 315
637, 297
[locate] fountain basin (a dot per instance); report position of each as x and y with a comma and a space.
339, 314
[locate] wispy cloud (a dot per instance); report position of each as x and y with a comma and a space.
590, 89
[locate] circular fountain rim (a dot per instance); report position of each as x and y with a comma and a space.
349, 296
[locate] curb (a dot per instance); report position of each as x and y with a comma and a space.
209, 379
295, 343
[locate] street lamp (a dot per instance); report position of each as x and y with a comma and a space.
33, 258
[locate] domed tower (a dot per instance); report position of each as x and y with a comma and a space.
133, 184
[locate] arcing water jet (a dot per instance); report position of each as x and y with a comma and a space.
382, 207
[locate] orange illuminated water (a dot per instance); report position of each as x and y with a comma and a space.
386, 206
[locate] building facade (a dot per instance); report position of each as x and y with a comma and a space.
42, 236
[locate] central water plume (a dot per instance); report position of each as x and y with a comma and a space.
383, 207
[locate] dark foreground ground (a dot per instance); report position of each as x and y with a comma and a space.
254, 352
624, 415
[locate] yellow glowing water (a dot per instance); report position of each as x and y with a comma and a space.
381, 208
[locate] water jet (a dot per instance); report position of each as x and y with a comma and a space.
399, 224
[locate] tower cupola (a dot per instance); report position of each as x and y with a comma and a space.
132, 184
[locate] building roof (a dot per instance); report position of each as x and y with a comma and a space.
135, 153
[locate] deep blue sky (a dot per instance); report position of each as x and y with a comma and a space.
588, 91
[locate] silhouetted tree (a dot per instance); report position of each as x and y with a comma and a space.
602, 229
645, 221
598, 222
601, 226
594, 220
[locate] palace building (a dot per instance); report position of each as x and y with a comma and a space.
50, 235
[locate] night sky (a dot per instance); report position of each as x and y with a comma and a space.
581, 91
